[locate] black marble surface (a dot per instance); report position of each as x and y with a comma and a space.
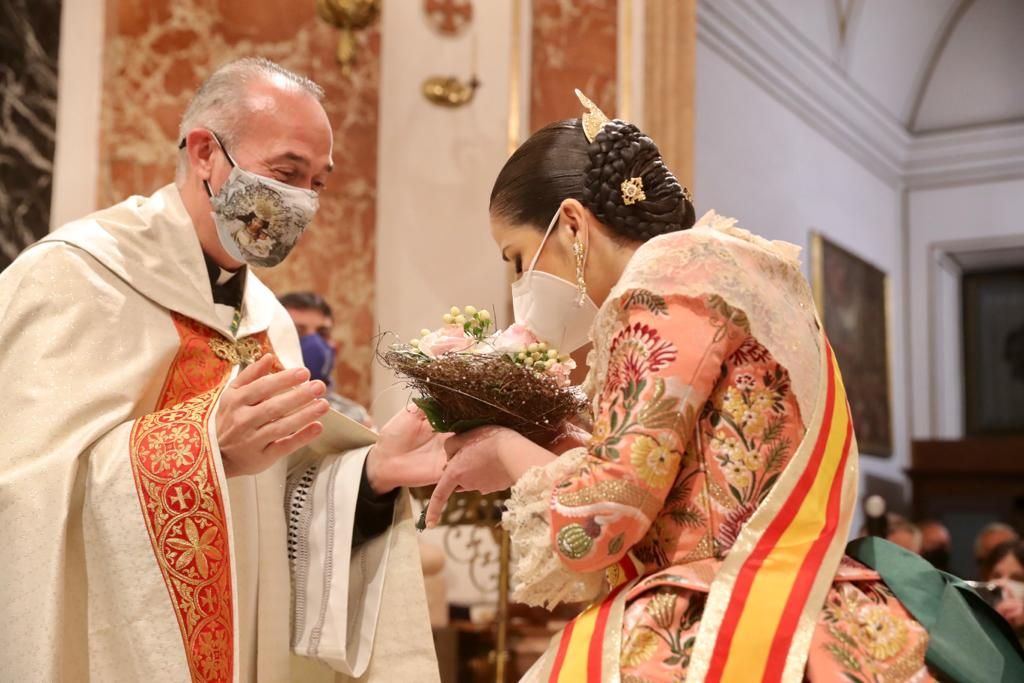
29, 38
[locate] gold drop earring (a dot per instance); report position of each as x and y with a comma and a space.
581, 284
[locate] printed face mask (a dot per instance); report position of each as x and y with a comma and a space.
259, 219
550, 307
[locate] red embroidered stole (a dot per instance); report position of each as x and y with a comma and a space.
182, 500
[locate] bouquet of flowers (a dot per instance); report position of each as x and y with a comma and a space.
468, 376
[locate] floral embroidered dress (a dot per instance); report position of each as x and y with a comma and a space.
713, 503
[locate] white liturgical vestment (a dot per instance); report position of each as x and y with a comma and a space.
127, 554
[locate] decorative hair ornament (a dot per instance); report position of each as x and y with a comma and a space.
593, 119
632, 191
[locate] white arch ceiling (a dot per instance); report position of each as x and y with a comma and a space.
934, 65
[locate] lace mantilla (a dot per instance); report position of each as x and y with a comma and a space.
538, 576
759, 277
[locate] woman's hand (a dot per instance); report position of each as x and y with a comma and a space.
408, 453
487, 459
569, 438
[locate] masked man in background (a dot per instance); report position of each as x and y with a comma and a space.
313, 320
148, 516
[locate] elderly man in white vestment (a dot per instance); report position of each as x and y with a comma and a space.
176, 501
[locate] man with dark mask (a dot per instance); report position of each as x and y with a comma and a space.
177, 500
314, 321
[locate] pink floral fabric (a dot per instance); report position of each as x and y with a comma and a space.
693, 426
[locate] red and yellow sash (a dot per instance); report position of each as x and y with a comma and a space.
587, 650
764, 602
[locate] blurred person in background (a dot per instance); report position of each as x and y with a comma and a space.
936, 543
904, 533
992, 535
314, 321
1004, 568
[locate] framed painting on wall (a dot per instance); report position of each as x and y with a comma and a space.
853, 299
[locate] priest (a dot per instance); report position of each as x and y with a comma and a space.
177, 502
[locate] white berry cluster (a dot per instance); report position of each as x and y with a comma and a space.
541, 357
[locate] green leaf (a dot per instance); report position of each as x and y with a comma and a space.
615, 545
686, 517
460, 426
735, 493
432, 410
612, 454
844, 657
614, 422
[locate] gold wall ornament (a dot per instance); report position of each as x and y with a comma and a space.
448, 17
449, 91
348, 16
632, 191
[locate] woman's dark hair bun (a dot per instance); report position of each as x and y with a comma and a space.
558, 163
620, 152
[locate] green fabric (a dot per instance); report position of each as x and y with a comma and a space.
968, 641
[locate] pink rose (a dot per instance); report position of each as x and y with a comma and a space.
513, 340
448, 339
562, 371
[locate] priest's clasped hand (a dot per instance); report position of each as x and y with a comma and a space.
408, 453
265, 415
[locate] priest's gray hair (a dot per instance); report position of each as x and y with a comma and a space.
221, 102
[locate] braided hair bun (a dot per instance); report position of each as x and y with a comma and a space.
619, 153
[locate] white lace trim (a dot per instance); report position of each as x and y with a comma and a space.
538, 577
785, 250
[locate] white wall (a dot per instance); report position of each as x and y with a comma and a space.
80, 87
756, 160
437, 166
949, 220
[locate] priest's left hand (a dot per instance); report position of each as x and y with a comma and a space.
487, 459
408, 453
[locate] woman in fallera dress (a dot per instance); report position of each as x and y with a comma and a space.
705, 518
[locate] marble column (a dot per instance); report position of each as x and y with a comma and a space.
156, 54
29, 38
573, 46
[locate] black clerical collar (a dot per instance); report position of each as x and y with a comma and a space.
227, 287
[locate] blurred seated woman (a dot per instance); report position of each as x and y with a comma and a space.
1004, 567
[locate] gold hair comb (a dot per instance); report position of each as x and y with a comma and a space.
593, 119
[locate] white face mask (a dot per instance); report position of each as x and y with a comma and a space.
549, 306
259, 219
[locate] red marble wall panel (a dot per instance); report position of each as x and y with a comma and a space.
156, 54
573, 46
